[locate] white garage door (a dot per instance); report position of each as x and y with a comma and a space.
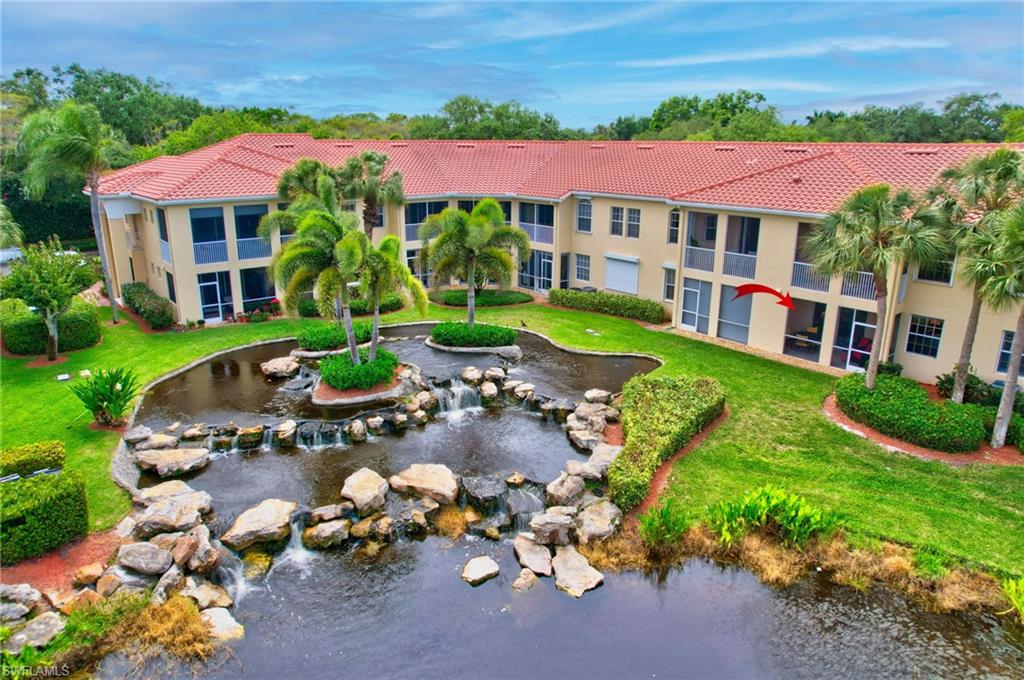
621, 273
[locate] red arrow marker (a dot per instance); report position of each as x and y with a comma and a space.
751, 288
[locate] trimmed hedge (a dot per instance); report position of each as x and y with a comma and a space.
900, 408
987, 416
157, 311
659, 415
40, 514
608, 303
977, 391
24, 460
485, 298
388, 303
338, 371
24, 331
326, 336
461, 334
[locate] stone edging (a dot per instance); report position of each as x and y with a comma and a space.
510, 352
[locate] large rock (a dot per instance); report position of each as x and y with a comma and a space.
479, 569
585, 439
366, 489
250, 437
172, 513
524, 581
484, 493
144, 558
524, 390
326, 534
430, 480
223, 627
281, 367
325, 513
137, 434
488, 391
268, 522
170, 581
566, 489
22, 593
118, 579
356, 431
375, 424
172, 462
157, 441
596, 396
602, 456
597, 521
12, 612
285, 433
558, 409
573, 573
37, 633
166, 541
532, 555
195, 432
205, 557
587, 410
554, 527
206, 594
472, 375
494, 373
87, 574
183, 549
151, 494
426, 400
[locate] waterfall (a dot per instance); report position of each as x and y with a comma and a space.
230, 573
295, 555
523, 503
457, 400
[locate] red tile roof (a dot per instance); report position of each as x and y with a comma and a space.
809, 178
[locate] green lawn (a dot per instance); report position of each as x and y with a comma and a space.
776, 433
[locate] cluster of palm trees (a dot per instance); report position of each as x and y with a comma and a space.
975, 215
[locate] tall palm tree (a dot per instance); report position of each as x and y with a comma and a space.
968, 197
327, 253
383, 273
70, 141
10, 231
308, 185
469, 244
875, 230
1005, 288
362, 178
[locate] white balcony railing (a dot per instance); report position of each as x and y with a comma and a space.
538, 233
738, 264
700, 258
286, 237
804, 276
412, 232
252, 248
207, 252
861, 285
165, 251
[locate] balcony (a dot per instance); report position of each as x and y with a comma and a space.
804, 276
286, 237
700, 258
412, 232
252, 248
859, 285
208, 252
738, 264
538, 233
165, 251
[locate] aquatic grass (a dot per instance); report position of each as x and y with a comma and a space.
929, 563
1013, 589
662, 527
787, 515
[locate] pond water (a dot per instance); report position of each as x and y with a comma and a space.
405, 612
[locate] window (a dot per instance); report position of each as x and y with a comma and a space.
283, 206
257, 288
535, 271
538, 221
506, 207
412, 260
1004, 352
417, 213
348, 206
924, 335
616, 224
161, 220
583, 267
584, 211
247, 220
633, 223
670, 284
172, 295
939, 272
380, 217
695, 311
710, 228
621, 273
673, 226
207, 224
734, 316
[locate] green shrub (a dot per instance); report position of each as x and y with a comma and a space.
659, 415
24, 460
890, 368
485, 298
609, 303
976, 391
108, 394
157, 311
900, 408
338, 371
322, 337
787, 515
359, 307
663, 526
24, 332
987, 416
460, 334
40, 514
1013, 589
307, 308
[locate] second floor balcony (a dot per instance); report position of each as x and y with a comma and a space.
252, 248
740, 264
700, 258
805, 276
859, 285
539, 233
165, 251
208, 252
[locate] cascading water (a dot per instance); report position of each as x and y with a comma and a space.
230, 574
295, 555
522, 503
457, 400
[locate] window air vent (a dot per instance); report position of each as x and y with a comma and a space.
645, 147
466, 145
284, 146
597, 146
725, 148
399, 145
920, 152
518, 145
795, 149
796, 179
344, 145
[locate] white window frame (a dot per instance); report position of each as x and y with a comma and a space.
948, 284
582, 262
631, 223
675, 222
670, 279
621, 221
911, 334
580, 216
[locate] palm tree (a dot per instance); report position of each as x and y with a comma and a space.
308, 185
383, 273
327, 253
968, 198
875, 230
1002, 289
467, 244
362, 178
10, 232
70, 141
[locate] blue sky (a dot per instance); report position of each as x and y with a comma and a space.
585, 62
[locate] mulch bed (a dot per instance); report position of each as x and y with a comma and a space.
56, 569
42, 362
96, 427
326, 392
1006, 455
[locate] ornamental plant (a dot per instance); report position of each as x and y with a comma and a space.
340, 373
108, 394
459, 334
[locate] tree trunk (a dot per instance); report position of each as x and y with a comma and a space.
369, 218
1006, 402
97, 230
882, 301
471, 291
376, 324
50, 320
963, 365
350, 334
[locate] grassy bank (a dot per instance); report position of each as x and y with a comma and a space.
776, 434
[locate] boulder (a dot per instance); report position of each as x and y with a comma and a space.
268, 522
206, 556
12, 612
37, 633
524, 390
157, 441
582, 468
151, 494
281, 367
375, 424
184, 548
427, 400
22, 593
223, 627
206, 594
484, 493
250, 437
430, 480
472, 375
170, 581
229, 430
524, 581
326, 513
488, 391
194, 432
137, 434
400, 421
419, 417
566, 489
172, 462
596, 423
117, 578
356, 431
573, 573
554, 527
326, 534
479, 569
173, 427
494, 373
524, 502
597, 521
532, 555
585, 410
144, 558
222, 443
285, 433
602, 456
173, 513
585, 439
558, 409
366, 489
596, 396
88, 574
515, 479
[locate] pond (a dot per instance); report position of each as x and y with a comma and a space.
405, 612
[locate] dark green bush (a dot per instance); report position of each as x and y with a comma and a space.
485, 298
900, 408
987, 416
24, 460
40, 514
359, 307
659, 415
157, 311
321, 337
976, 391
338, 371
24, 332
307, 308
609, 303
460, 334
890, 368
787, 515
